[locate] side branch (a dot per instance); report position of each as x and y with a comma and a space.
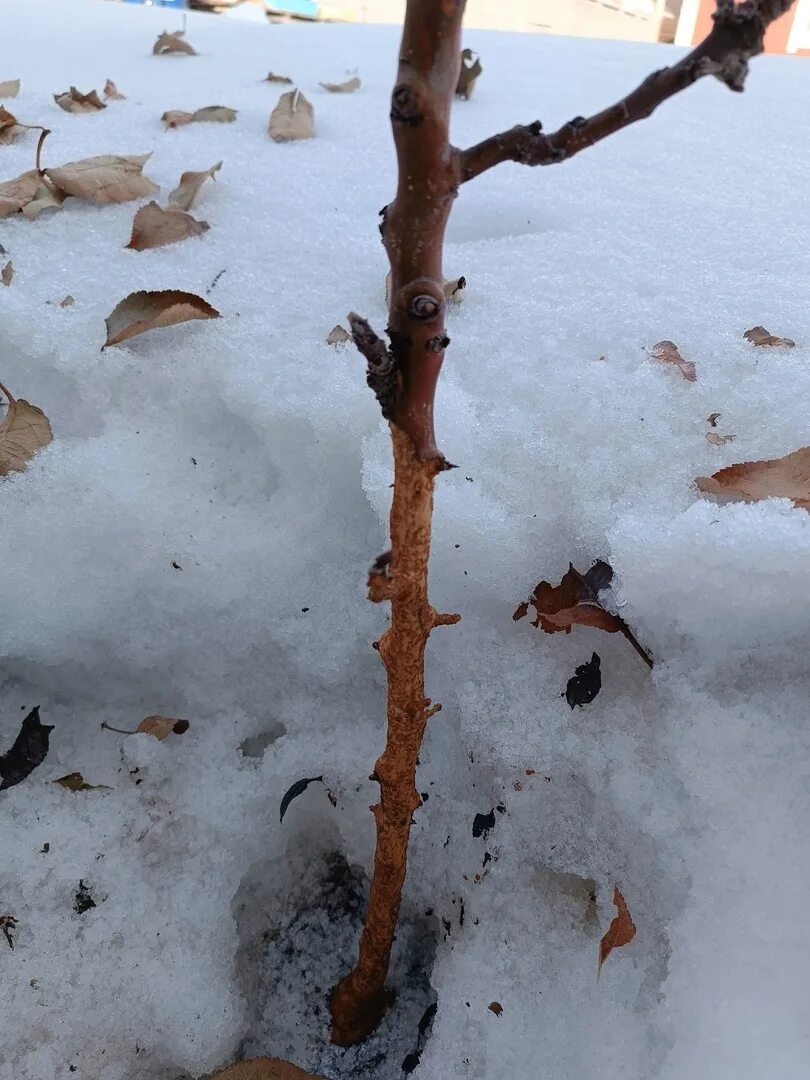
381, 374
737, 35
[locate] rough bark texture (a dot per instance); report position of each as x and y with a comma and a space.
403, 376
404, 380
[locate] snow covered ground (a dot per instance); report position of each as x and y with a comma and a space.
250, 454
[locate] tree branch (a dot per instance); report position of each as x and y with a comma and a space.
737, 35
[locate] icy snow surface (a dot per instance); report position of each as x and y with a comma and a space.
251, 454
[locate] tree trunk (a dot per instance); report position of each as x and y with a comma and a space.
413, 234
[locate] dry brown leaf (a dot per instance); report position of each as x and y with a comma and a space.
142, 311
24, 430
338, 336
10, 129
718, 440
154, 227
112, 92
621, 931
111, 178
453, 289
347, 87
495, 1007
575, 601
162, 726
666, 352
28, 194
758, 335
292, 119
264, 1069
73, 101
786, 477
9, 88
187, 190
7, 273
76, 782
468, 74
172, 43
217, 114
176, 118
271, 78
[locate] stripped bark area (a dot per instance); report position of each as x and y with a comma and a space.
403, 374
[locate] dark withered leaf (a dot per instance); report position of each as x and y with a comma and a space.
83, 900
29, 750
482, 823
585, 684
296, 789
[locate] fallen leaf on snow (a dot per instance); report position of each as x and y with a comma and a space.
786, 477
338, 336
293, 118
7, 273
712, 418
28, 194
272, 78
758, 335
621, 931
73, 101
24, 430
76, 782
112, 92
9, 128
453, 289
468, 75
483, 823
718, 440
347, 87
84, 899
9, 88
8, 924
162, 726
264, 1069
495, 1007
142, 311
575, 602
110, 178
176, 118
293, 791
154, 227
187, 190
67, 302
585, 683
29, 750
666, 352
218, 114
172, 43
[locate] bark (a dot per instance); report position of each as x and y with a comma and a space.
404, 380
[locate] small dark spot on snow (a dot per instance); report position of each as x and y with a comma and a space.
447, 841
176, 565
469, 478
45, 849
305, 610
501, 808
424, 795
457, 545
83, 900
482, 823
193, 461
487, 858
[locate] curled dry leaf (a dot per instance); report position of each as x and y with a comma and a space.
154, 227
29, 194
28, 750
9, 128
9, 88
162, 726
468, 74
338, 336
110, 178
112, 92
218, 114
758, 335
293, 791
176, 118
187, 190
76, 782
718, 440
7, 273
347, 87
453, 289
786, 477
264, 1069
24, 430
73, 101
712, 418
272, 78
142, 311
666, 352
172, 43
292, 119
68, 301
621, 931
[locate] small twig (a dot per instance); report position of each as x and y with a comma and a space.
736, 36
214, 282
117, 730
381, 373
642, 652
